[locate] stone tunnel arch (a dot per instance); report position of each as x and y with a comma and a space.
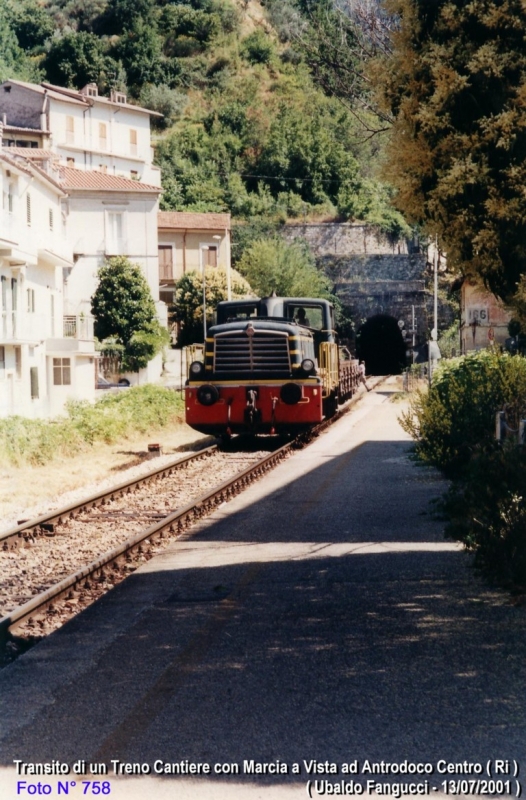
379, 342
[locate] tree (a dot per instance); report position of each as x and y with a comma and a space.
124, 310
341, 42
273, 265
13, 61
188, 311
456, 87
77, 59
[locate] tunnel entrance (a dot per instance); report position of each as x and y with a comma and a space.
379, 342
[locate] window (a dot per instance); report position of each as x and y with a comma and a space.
18, 362
14, 294
50, 219
28, 208
103, 141
10, 198
2, 362
166, 264
3, 280
103, 168
209, 255
70, 162
133, 142
62, 372
33, 374
114, 239
134, 175
70, 130
31, 301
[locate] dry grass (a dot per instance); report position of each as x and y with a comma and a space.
24, 489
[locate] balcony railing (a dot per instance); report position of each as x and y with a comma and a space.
78, 327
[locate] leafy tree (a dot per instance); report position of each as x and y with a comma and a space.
273, 265
124, 310
455, 85
123, 15
139, 50
32, 25
13, 61
188, 310
168, 102
77, 59
341, 43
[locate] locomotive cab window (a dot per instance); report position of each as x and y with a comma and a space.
247, 312
309, 316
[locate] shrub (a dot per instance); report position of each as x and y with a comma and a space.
487, 512
114, 416
257, 48
457, 415
189, 300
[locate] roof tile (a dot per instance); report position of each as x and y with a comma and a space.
181, 220
71, 178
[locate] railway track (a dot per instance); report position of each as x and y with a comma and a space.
43, 586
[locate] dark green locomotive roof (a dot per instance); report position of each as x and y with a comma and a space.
310, 312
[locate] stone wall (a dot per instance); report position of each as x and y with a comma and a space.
375, 274
348, 238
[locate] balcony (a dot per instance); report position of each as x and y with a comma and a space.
78, 327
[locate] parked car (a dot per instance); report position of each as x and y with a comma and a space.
104, 383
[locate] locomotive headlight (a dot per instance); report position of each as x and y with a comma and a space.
197, 369
308, 366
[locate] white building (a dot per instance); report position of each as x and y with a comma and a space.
109, 216
84, 130
46, 356
97, 152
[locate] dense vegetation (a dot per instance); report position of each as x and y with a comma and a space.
113, 417
247, 127
455, 87
454, 428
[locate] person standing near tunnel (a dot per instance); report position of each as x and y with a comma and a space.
361, 373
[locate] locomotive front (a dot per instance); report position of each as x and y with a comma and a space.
260, 373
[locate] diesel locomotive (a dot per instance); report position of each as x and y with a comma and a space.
271, 365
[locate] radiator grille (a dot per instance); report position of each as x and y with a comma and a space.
261, 353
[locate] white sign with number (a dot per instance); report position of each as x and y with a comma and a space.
478, 314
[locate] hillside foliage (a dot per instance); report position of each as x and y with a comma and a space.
249, 125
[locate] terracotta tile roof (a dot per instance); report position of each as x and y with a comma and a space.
74, 96
31, 153
188, 220
71, 178
18, 129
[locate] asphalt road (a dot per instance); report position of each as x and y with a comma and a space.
319, 616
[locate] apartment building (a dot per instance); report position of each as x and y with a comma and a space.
98, 152
46, 355
84, 130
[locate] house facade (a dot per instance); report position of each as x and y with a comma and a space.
484, 318
94, 194
46, 355
189, 242
84, 130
